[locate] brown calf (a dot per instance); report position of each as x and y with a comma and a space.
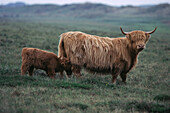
47, 61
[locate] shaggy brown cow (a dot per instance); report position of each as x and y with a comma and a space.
48, 61
103, 54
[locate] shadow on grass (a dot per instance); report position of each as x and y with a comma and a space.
138, 106
149, 107
162, 97
78, 105
112, 104
69, 105
99, 83
13, 81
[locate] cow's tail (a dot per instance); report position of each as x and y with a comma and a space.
61, 49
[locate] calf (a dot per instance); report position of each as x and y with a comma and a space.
47, 61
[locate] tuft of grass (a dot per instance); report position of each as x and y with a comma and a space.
78, 105
146, 106
71, 105
162, 97
111, 104
99, 82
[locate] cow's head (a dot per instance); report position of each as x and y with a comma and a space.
137, 39
67, 66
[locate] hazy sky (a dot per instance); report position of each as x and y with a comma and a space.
109, 2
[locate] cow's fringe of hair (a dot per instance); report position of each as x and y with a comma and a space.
94, 52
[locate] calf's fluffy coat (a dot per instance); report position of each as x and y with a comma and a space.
40, 59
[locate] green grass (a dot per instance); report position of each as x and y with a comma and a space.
13, 81
147, 88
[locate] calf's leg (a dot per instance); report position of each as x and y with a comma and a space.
30, 70
24, 68
51, 73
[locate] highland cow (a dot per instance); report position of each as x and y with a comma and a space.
47, 61
116, 56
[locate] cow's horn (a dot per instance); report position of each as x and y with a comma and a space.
152, 31
123, 31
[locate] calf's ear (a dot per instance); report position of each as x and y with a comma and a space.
62, 62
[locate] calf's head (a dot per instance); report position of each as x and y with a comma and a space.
67, 66
137, 39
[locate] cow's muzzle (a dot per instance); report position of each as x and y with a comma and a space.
141, 47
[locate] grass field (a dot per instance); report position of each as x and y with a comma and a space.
147, 88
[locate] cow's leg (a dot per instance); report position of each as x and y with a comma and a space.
61, 75
46, 72
117, 70
24, 68
76, 70
68, 76
30, 70
51, 73
123, 76
115, 73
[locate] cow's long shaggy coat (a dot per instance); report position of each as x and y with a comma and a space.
40, 59
103, 54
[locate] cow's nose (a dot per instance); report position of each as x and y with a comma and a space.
141, 46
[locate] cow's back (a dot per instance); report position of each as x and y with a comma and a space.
89, 51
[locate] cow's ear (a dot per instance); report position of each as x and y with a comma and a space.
147, 35
68, 60
128, 36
